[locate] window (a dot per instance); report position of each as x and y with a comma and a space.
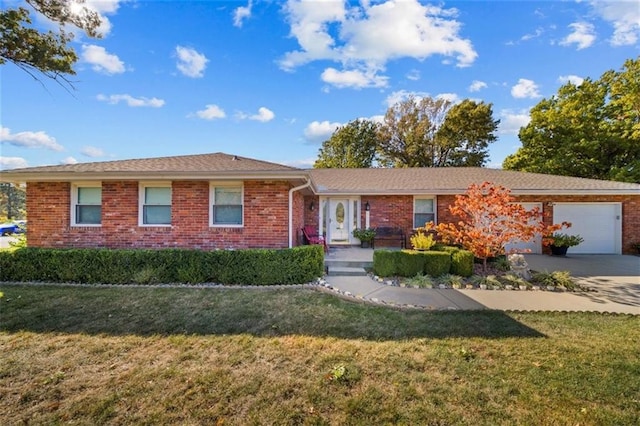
226, 205
86, 206
423, 211
155, 200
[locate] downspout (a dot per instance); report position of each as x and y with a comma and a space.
291, 191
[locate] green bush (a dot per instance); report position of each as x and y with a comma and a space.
93, 266
462, 263
436, 263
385, 262
410, 263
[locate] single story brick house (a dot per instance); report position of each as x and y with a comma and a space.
218, 200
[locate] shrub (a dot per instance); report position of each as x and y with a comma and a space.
555, 279
385, 262
462, 263
92, 266
410, 263
436, 263
421, 240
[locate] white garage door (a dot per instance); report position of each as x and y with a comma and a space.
533, 246
600, 224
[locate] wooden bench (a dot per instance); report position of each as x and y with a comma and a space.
389, 233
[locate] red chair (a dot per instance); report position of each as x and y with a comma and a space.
313, 238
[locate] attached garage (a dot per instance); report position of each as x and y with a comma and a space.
600, 224
534, 246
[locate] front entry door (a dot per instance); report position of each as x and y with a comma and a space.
339, 223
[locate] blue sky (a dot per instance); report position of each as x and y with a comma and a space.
273, 79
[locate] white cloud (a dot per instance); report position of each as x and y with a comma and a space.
413, 75
306, 163
451, 97
29, 139
319, 131
573, 79
537, 33
92, 151
525, 89
101, 60
367, 36
402, 95
512, 121
263, 115
190, 62
131, 101
69, 160
477, 85
103, 8
625, 17
7, 163
353, 78
582, 36
211, 112
241, 13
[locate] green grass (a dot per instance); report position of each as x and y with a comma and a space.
87, 355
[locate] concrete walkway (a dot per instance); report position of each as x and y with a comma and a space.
615, 279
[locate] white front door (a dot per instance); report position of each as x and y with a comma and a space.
339, 223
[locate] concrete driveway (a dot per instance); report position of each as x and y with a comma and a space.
615, 278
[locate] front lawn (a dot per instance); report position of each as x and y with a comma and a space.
121, 355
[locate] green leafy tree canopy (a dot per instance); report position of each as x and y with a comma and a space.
47, 53
353, 145
429, 132
591, 130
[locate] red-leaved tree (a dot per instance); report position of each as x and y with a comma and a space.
489, 220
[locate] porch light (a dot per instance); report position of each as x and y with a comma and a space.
312, 206
367, 207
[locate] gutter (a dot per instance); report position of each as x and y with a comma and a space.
291, 191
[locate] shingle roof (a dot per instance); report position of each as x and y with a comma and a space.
184, 163
444, 180
433, 181
185, 166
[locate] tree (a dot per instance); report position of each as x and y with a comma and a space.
489, 220
353, 145
47, 53
12, 201
430, 132
591, 130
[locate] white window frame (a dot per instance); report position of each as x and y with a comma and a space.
435, 209
141, 195
212, 201
74, 202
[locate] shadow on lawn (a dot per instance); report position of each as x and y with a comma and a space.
259, 312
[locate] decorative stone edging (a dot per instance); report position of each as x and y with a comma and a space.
557, 289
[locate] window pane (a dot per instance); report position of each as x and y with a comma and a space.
229, 215
88, 215
424, 205
156, 215
228, 196
157, 196
90, 196
420, 219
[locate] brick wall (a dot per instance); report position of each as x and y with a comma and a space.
266, 218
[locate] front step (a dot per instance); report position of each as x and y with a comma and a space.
345, 271
346, 268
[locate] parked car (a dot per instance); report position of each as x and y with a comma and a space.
16, 227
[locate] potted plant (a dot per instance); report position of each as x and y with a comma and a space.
636, 246
560, 243
365, 236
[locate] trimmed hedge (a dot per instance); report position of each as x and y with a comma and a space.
409, 263
137, 266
